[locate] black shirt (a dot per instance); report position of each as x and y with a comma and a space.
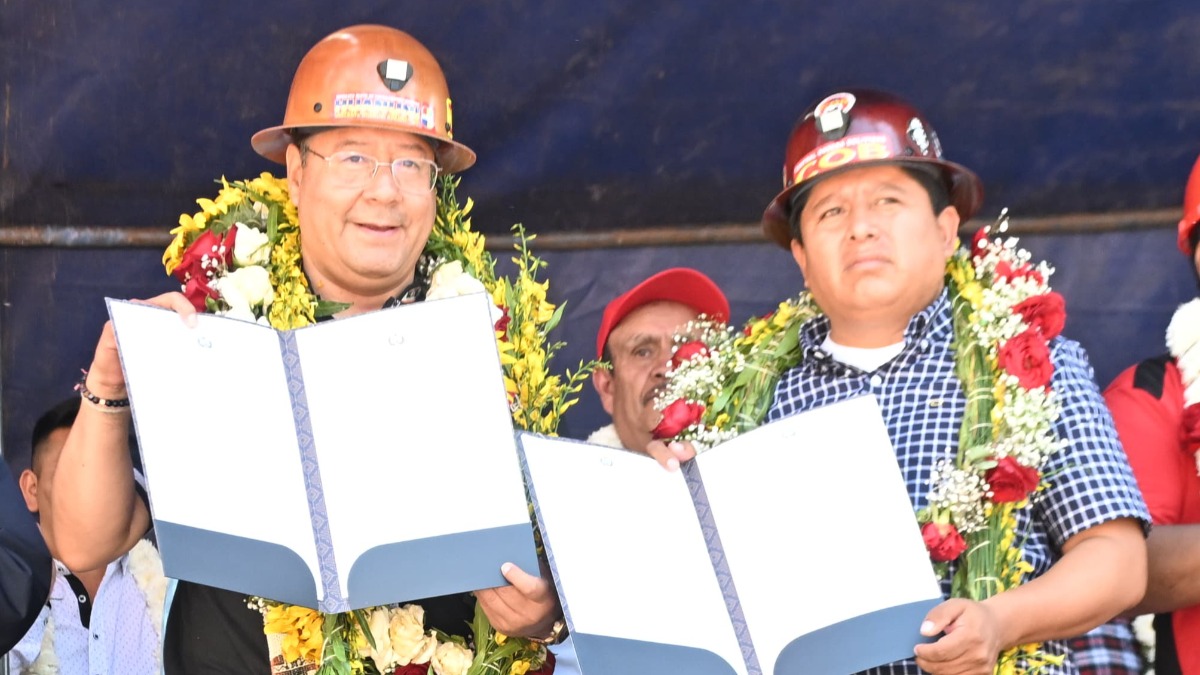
212, 631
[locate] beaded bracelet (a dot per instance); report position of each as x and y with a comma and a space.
108, 405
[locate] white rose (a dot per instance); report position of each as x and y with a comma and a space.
450, 280
408, 638
239, 306
385, 659
250, 246
254, 283
452, 659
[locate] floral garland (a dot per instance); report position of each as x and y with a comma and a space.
239, 256
721, 384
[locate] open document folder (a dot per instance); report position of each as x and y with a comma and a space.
790, 549
337, 466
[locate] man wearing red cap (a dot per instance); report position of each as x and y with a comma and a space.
635, 338
1154, 404
870, 211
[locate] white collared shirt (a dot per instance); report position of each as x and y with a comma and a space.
120, 637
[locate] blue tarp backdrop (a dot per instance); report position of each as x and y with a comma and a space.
590, 117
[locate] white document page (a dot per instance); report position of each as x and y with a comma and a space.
816, 523
402, 404
627, 547
215, 430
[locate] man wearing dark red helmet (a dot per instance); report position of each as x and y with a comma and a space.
635, 338
1155, 406
366, 131
870, 211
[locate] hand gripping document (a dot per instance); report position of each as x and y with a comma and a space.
341, 465
792, 549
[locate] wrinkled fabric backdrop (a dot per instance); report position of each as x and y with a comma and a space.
595, 117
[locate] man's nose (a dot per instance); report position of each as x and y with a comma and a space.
383, 184
863, 223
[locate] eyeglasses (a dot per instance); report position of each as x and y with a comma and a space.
413, 175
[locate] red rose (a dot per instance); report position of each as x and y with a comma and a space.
676, 417
979, 242
501, 325
1028, 358
547, 668
687, 351
1011, 482
1044, 313
943, 541
412, 669
198, 260
1007, 272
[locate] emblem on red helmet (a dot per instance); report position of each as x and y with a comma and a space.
862, 127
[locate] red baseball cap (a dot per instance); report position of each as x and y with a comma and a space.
678, 284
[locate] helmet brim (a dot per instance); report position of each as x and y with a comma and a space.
966, 193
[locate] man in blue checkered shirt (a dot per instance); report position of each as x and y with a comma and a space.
871, 211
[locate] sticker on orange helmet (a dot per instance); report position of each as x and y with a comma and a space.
449, 119
383, 107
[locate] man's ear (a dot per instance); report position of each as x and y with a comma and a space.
948, 221
602, 380
294, 159
800, 256
28, 482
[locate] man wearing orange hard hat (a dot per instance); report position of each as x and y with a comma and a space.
870, 211
367, 129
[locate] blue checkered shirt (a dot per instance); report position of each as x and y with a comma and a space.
1110, 649
923, 403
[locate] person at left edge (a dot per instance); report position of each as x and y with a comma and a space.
26, 570
104, 620
362, 236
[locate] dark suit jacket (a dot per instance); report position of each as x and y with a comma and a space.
25, 565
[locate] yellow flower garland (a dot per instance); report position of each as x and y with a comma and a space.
537, 398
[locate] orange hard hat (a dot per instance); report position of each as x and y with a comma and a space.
862, 127
1191, 210
369, 76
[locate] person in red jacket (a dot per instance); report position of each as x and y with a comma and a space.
1155, 406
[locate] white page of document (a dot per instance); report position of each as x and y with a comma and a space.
222, 427
628, 551
838, 523
428, 401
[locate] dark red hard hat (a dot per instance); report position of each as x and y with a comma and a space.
856, 128
1191, 210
